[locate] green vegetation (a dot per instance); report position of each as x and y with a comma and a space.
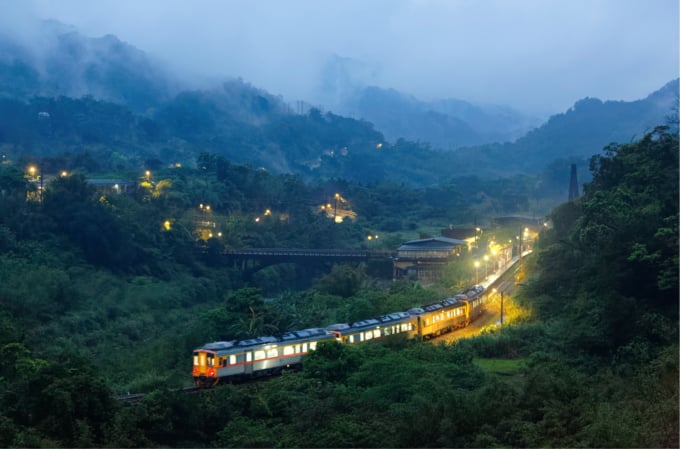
99, 296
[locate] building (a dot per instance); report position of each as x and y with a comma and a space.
469, 235
424, 259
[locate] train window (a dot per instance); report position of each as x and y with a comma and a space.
376, 333
298, 349
368, 335
259, 355
232, 359
211, 360
249, 356
304, 347
351, 338
312, 346
195, 359
289, 350
272, 353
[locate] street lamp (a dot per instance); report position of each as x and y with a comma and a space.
335, 211
476, 271
35, 171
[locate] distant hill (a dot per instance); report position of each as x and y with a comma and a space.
444, 124
60, 61
582, 131
72, 94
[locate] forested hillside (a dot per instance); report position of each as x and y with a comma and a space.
580, 132
104, 97
105, 294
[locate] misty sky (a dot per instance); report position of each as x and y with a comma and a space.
538, 56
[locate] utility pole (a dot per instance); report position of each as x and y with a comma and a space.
520, 247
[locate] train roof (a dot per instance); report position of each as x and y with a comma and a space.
432, 307
390, 317
258, 341
366, 323
452, 302
219, 345
305, 334
311, 334
415, 311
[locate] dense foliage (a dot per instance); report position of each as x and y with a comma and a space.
99, 297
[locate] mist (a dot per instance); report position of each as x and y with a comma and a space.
536, 56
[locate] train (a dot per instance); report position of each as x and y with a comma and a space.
231, 361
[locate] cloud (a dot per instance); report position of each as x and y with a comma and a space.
536, 55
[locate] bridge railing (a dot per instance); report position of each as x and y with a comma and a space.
298, 252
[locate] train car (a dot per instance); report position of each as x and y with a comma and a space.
234, 360
374, 328
439, 318
476, 298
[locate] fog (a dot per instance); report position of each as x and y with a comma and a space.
538, 56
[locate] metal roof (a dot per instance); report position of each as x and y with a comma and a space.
432, 243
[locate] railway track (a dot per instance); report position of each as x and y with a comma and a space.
504, 283
132, 397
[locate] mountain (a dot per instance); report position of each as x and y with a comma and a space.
60, 61
445, 124
67, 93
580, 132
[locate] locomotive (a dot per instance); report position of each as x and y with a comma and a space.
228, 361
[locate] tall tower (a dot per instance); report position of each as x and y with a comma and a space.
573, 184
